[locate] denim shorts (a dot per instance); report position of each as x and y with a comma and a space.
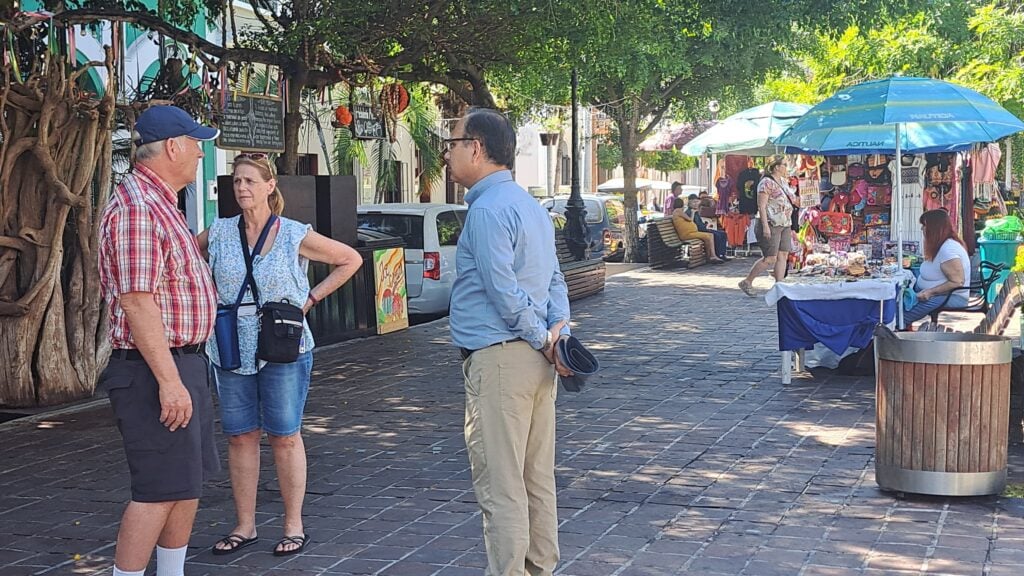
272, 399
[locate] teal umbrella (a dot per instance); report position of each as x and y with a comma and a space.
749, 132
932, 115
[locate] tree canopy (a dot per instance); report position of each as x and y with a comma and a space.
976, 44
640, 60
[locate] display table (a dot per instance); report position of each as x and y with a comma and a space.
837, 313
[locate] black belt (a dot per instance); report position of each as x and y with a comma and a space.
133, 354
466, 352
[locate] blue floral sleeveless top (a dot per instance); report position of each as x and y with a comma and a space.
281, 274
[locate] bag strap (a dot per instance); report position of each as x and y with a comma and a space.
249, 279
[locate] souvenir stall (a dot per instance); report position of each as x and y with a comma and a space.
888, 151
739, 139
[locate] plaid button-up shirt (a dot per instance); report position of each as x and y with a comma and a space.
146, 246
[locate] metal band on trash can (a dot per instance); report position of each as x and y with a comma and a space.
951, 348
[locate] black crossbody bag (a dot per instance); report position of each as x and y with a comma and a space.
281, 323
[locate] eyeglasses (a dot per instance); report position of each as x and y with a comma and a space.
252, 156
449, 143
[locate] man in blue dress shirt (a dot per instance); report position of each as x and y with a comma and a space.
509, 306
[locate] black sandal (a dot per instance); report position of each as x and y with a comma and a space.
300, 540
235, 542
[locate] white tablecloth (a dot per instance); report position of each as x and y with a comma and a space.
871, 289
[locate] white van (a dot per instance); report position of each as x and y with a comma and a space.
431, 233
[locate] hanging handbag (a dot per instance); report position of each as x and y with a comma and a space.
837, 173
879, 195
834, 223
878, 170
281, 324
226, 325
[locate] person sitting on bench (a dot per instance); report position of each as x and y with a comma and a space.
945, 272
693, 211
686, 229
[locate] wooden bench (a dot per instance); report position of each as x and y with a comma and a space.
666, 250
997, 314
977, 299
583, 277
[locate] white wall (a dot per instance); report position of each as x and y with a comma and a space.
531, 158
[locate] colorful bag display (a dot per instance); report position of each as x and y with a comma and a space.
879, 195
876, 219
877, 237
837, 171
834, 223
839, 244
878, 169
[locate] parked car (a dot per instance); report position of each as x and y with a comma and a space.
431, 233
606, 216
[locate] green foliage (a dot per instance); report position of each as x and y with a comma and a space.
419, 120
609, 155
667, 160
1013, 491
640, 60
996, 66
976, 44
382, 157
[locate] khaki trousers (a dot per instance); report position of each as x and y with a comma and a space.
510, 434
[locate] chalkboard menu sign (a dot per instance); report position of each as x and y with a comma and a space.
252, 123
366, 124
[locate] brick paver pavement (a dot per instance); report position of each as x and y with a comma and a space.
685, 456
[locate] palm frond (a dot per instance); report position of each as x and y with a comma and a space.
420, 121
383, 158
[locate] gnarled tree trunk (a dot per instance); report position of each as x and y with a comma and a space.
55, 170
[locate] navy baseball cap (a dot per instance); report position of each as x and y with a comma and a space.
162, 122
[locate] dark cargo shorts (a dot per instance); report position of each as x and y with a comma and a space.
165, 466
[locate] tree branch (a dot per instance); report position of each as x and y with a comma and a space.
12, 309
256, 5
14, 243
153, 22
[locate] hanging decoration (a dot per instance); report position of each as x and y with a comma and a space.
394, 98
342, 116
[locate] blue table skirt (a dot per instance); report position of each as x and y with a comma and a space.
838, 324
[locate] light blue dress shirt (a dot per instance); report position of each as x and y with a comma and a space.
508, 284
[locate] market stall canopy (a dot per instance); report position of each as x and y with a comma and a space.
674, 136
933, 115
897, 115
751, 132
617, 185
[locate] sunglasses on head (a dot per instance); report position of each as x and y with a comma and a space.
252, 156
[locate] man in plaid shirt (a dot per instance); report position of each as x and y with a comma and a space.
162, 306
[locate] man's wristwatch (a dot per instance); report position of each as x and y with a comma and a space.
547, 343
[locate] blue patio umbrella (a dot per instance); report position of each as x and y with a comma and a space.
896, 115
932, 115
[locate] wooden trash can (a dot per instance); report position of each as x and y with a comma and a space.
942, 413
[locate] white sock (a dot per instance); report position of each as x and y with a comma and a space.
170, 561
119, 572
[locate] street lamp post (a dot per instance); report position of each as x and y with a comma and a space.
575, 230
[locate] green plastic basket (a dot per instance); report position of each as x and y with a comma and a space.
999, 235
